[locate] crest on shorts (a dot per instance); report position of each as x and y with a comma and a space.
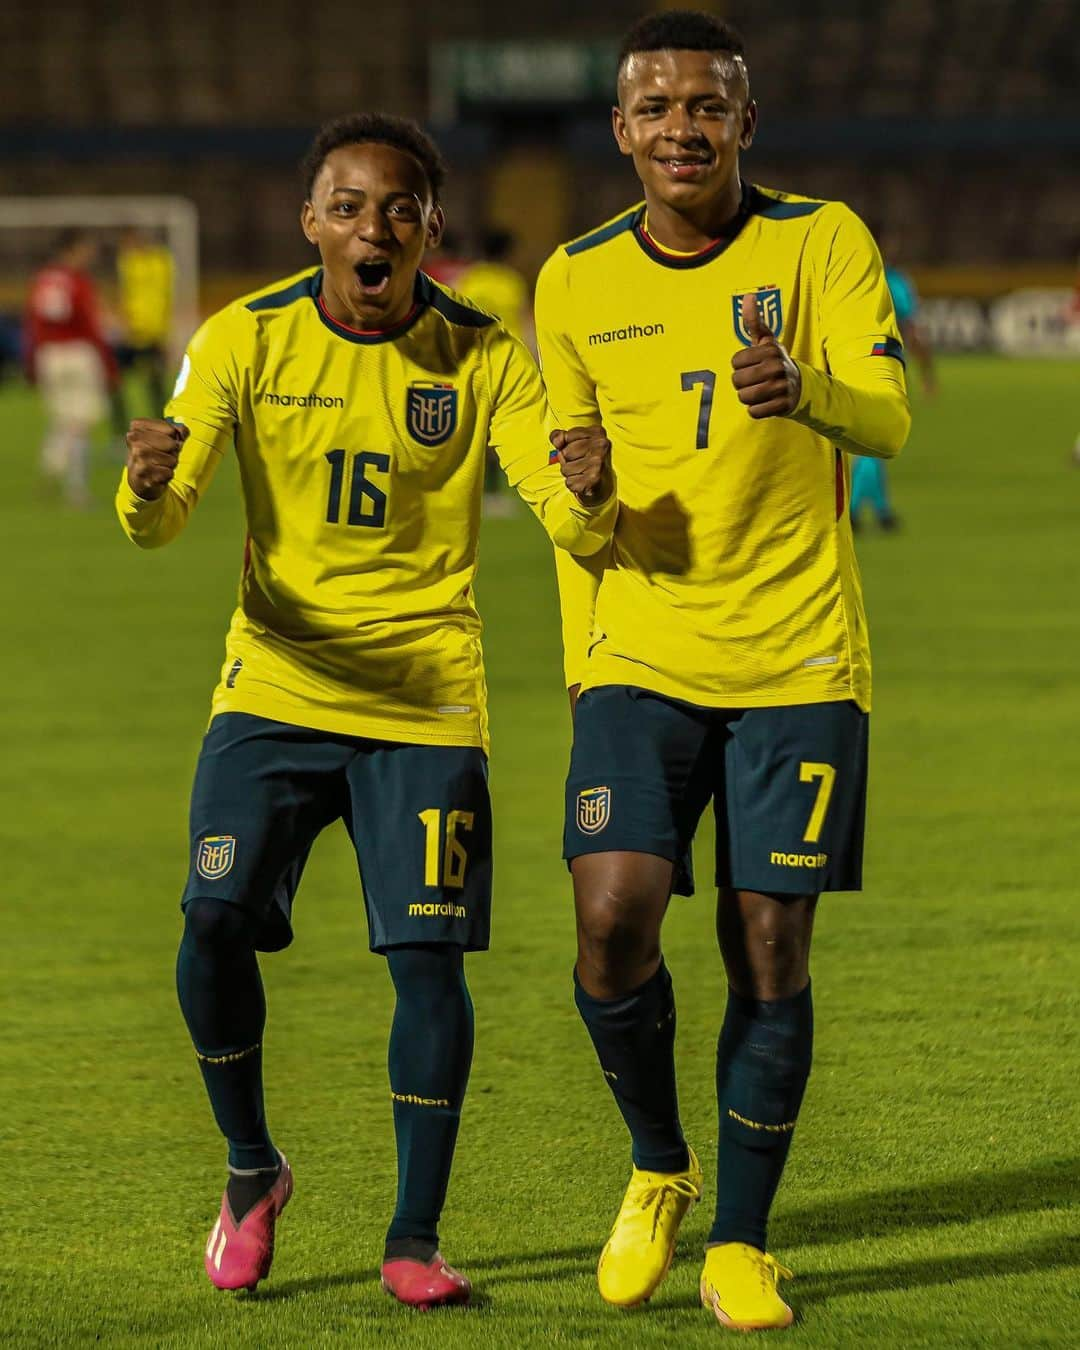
431, 412
215, 855
770, 307
593, 809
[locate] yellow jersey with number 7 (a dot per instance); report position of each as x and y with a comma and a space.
731, 578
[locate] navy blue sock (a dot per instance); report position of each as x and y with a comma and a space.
762, 1064
431, 1044
634, 1039
221, 996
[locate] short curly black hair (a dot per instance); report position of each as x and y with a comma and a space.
382, 129
686, 30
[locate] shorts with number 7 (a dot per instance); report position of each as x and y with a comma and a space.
788, 786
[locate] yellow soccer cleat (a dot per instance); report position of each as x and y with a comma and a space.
739, 1284
637, 1255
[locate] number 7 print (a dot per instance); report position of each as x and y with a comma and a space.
707, 380
808, 771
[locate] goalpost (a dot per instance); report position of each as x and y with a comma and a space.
175, 217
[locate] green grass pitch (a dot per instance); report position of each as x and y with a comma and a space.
931, 1196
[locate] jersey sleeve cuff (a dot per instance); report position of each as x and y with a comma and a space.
807, 382
603, 514
128, 499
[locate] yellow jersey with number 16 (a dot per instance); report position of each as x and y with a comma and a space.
731, 579
362, 462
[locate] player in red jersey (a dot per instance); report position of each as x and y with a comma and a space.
68, 358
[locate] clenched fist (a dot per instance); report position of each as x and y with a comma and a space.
153, 450
584, 455
766, 378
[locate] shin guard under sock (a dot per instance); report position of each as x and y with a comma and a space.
221, 996
634, 1039
431, 1042
762, 1064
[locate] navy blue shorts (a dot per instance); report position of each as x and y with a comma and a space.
788, 787
419, 817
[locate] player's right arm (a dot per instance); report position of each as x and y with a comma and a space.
572, 396
171, 462
575, 499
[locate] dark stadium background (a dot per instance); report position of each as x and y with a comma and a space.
956, 121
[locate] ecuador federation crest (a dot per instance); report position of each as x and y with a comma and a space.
769, 306
593, 809
215, 855
431, 412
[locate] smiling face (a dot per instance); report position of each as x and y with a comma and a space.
683, 117
371, 216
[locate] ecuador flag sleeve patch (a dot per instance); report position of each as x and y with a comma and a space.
888, 346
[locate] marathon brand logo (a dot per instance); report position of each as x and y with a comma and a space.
431, 412
411, 1099
785, 1126
440, 910
302, 400
815, 860
633, 330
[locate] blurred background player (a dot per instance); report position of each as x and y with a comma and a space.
446, 261
498, 288
69, 360
145, 273
495, 285
869, 476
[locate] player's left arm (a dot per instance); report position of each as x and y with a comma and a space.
916, 342
859, 402
565, 477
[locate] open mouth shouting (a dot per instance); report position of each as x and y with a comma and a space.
373, 276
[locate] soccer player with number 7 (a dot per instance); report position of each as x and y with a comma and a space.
738, 343
360, 398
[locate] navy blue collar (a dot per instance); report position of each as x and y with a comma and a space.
731, 231
422, 297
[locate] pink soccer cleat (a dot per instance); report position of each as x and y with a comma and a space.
238, 1255
425, 1284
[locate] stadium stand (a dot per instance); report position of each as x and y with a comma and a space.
913, 108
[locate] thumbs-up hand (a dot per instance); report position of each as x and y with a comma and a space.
766, 379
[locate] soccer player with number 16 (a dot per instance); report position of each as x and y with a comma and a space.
360, 398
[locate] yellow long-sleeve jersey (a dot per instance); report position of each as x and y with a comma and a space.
146, 293
731, 578
362, 460
497, 289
